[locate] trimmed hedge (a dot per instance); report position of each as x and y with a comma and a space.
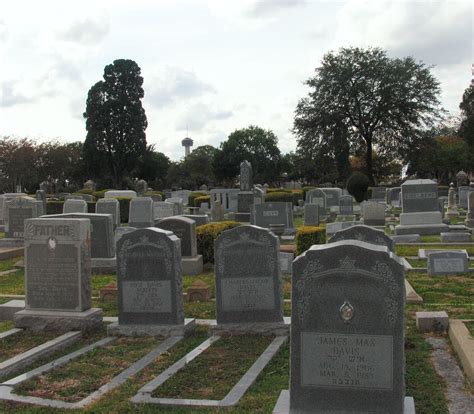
149, 193
202, 199
193, 196
306, 236
85, 191
278, 190
279, 196
207, 234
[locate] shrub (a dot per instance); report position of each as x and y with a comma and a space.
124, 203
279, 196
206, 235
357, 185
202, 199
278, 190
150, 193
193, 196
306, 236
85, 191
54, 207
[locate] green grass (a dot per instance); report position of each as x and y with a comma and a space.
417, 262
470, 327
98, 281
22, 341
218, 368
6, 326
8, 264
2, 234
412, 250
13, 283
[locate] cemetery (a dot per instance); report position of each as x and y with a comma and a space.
310, 250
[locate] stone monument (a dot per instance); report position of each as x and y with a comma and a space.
452, 210
245, 195
140, 214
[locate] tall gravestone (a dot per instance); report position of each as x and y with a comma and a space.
41, 196
185, 229
245, 195
311, 215
149, 281
248, 281
57, 276
17, 210
347, 332
452, 210
470, 211
346, 207
140, 214
463, 192
109, 206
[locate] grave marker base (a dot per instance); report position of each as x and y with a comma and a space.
151, 330
251, 328
192, 265
283, 406
58, 321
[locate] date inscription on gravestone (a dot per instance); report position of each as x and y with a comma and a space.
148, 296
346, 361
271, 213
52, 281
448, 265
247, 293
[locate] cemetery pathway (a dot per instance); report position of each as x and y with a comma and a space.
460, 400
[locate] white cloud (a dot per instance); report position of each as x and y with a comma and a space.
269, 7
3, 31
197, 116
173, 85
86, 32
11, 96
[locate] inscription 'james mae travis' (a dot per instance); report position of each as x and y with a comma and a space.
347, 338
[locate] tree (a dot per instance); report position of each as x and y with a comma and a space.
381, 103
115, 122
466, 129
254, 144
153, 167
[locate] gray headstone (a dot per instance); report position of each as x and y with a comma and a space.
74, 206
185, 229
141, 212
217, 212
378, 193
120, 231
17, 210
346, 205
41, 196
200, 219
277, 212
332, 196
347, 339
419, 196
248, 279
394, 196
311, 215
447, 263
177, 205
333, 228
101, 232
246, 176
142, 187
374, 213
57, 264
149, 278
109, 206
183, 195
366, 234
316, 196
463, 192
162, 209
120, 193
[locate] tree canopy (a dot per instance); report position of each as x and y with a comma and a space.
254, 144
370, 99
115, 122
466, 129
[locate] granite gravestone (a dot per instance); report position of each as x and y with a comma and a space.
277, 212
74, 206
109, 206
332, 197
316, 196
347, 338
120, 193
470, 211
177, 205
447, 263
101, 232
185, 229
41, 196
378, 193
248, 280
373, 213
346, 205
57, 276
463, 192
183, 195
217, 211
246, 176
149, 281
227, 197
200, 219
141, 187
452, 210
311, 215
141, 212
17, 210
162, 209
394, 196
120, 231
366, 234
245, 195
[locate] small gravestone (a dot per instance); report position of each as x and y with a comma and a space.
463, 192
311, 215
199, 291
277, 213
149, 281
246, 176
74, 206
452, 210
333, 228
347, 332
461, 179
248, 281
17, 210
162, 209
366, 234
109, 206
378, 193
332, 197
185, 229
346, 205
57, 276
141, 212
373, 213
316, 196
120, 193
142, 187
217, 211
177, 205
204, 208
394, 196
286, 262
183, 195
447, 263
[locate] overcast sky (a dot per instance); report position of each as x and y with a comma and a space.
211, 66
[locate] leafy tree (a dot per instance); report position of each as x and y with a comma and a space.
466, 129
254, 144
153, 167
378, 101
115, 122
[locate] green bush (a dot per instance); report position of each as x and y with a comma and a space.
193, 196
124, 203
202, 199
357, 186
206, 235
278, 190
150, 193
306, 236
54, 207
279, 196
85, 191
